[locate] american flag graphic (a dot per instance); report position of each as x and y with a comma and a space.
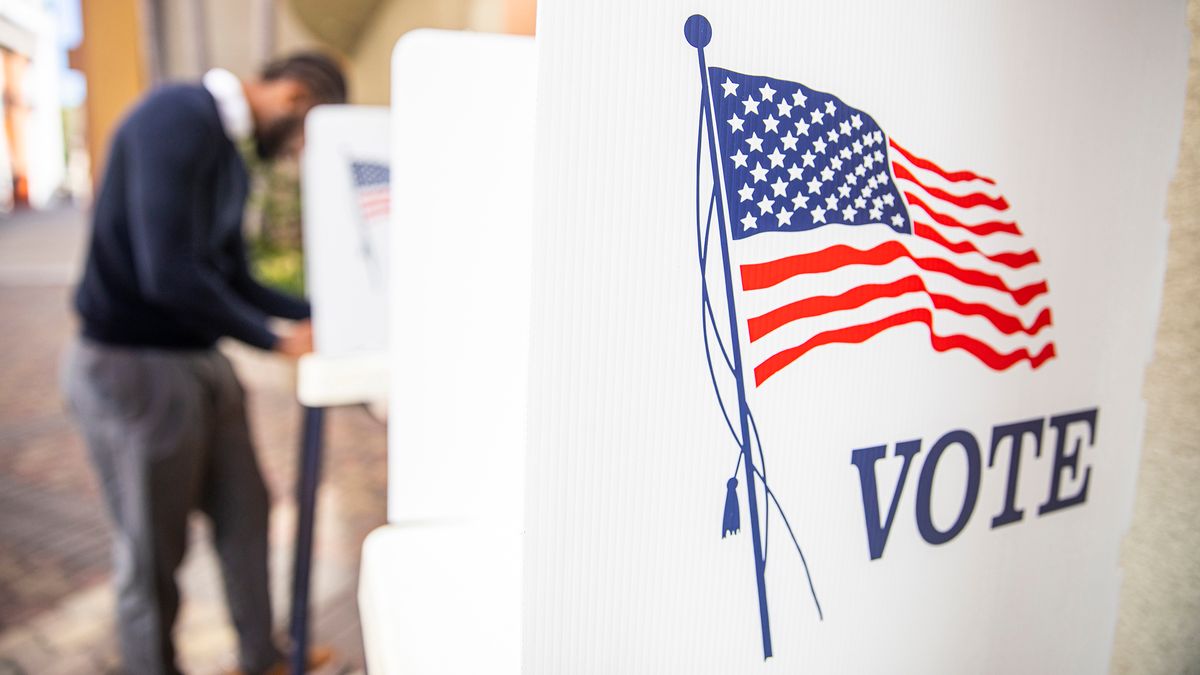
841, 233
371, 190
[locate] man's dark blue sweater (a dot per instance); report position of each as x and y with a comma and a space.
167, 264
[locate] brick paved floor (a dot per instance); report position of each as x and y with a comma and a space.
55, 600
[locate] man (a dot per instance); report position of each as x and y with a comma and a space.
161, 409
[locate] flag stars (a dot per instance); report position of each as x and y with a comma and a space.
789, 141
889, 199
751, 105
771, 124
857, 145
755, 143
736, 123
860, 203
776, 158
814, 186
759, 173
826, 174
852, 179
799, 99
765, 205
844, 127
875, 214
784, 216
830, 108
820, 145
897, 221
749, 222
817, 117
849, 213
878, 156
730, 87
831, 203
818, 215
856, 121
836, 163
869, 161
860, 170
802, 128
800, 201
746, 193
844, 191
832, 135
739, 159
795, 172
767, 92
779, 187
883, 178
784, 108
808, 158
844, 153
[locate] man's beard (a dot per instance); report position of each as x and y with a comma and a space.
271, 141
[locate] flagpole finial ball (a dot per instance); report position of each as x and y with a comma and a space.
698, 31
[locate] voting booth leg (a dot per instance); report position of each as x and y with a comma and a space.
306, 502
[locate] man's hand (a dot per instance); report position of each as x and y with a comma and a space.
296, 342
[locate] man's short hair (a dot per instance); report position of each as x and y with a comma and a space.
316, 71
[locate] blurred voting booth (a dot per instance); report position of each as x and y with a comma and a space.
763, 338
346, 217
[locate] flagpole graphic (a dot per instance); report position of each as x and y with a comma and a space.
698, 32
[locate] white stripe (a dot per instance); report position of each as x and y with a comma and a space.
944, 324
934, 180
775, 245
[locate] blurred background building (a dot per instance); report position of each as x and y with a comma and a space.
69, 69
33, 147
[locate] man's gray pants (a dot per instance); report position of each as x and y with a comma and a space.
167, 433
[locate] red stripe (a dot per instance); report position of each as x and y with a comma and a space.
764, 275
1005, 323
965, 201
952, 176
857, 334
1009, 259
855, 297
760, 326
981, 229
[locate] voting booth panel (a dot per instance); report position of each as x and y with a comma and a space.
840, 317
463, 156
346, 205
441, 587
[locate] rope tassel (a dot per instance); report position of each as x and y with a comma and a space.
732, 517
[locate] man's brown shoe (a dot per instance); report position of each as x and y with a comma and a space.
318, 657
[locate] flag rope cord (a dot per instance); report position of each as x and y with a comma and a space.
782, 514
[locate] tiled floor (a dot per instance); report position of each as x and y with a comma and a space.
55, 600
